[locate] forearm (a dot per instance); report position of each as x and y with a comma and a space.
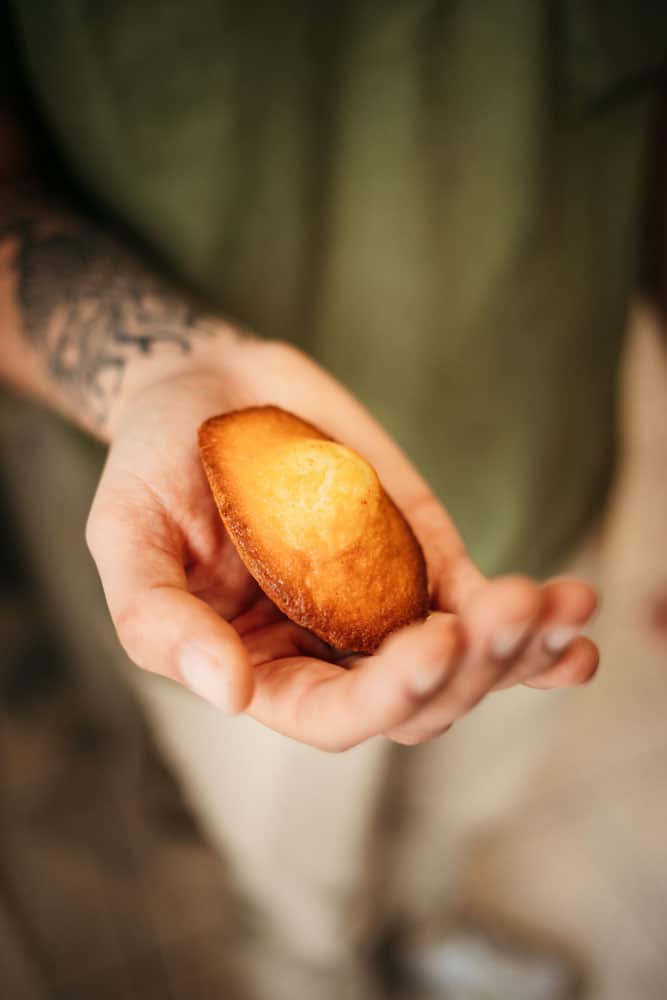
83, 323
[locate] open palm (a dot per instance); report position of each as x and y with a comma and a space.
185, 606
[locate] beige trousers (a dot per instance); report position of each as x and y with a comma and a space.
332, 847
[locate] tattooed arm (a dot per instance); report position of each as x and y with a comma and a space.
80, 314
84, 322
87, 328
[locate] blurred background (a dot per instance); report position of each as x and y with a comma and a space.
117, 877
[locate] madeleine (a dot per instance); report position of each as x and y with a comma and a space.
314, 527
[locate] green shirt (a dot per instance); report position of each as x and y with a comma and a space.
437, 200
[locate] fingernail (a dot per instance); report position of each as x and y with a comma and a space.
508, 640
557, 639
205, 677
428, 678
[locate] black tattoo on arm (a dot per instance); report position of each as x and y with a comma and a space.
89, 308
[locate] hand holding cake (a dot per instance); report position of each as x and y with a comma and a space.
319, 548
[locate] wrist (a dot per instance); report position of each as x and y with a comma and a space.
215, 374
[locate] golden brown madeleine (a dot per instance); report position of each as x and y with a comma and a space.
314, 527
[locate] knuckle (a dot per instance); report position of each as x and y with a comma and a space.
93, 531
585, 673
470, 700
127, 625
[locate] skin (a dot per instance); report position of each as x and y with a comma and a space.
90, 331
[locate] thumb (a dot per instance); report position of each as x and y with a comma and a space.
162, 627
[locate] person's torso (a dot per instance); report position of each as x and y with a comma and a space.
430, 198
